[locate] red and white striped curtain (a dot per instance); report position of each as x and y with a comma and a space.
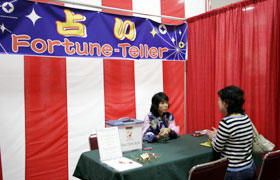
49, 106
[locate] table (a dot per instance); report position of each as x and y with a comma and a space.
177, 157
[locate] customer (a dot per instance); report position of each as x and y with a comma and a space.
158, 123
233, 139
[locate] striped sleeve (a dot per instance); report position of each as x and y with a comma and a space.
223, 134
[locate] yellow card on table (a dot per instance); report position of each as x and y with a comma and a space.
208, 144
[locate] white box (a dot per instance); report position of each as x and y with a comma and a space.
130, 132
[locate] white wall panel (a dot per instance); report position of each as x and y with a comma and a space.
148, 81
12, 122
85, 104
194, 7
85, 4
148, 7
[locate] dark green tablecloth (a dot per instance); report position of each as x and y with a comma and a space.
177, 157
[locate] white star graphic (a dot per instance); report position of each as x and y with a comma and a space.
3, 28
33, 16
180, 32
173, 40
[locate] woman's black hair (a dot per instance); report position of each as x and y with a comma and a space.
156, 99
233, 96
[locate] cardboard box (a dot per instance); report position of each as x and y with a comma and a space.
130, 132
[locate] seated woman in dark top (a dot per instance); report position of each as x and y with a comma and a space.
159, 123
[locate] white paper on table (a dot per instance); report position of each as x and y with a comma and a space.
122, 164
109, 143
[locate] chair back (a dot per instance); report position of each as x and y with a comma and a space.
270, 166
93, 142
209, 170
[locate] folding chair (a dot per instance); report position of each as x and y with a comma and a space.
93, 142
210, 170
270, 166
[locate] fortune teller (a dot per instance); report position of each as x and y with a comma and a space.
158, 123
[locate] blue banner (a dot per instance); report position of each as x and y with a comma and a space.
48, 30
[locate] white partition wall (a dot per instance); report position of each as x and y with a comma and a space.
80, 83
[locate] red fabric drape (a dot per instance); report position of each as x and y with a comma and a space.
46, 125
235, 45
119, 89
173, 69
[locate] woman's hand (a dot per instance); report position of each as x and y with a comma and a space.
164, 132
211, 134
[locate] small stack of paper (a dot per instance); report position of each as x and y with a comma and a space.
122, 164
110, 150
